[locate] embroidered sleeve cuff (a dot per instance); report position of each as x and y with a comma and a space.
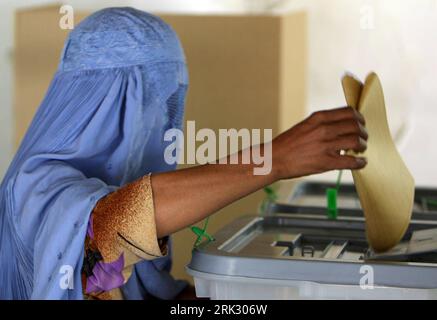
124, 222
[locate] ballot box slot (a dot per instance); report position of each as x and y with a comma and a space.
422, 247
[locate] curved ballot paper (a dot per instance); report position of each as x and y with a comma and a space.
385, 186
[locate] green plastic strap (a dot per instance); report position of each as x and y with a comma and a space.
270, 192
201, 233
431, 202
331, 198
271, 196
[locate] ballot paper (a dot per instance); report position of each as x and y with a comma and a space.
385, 186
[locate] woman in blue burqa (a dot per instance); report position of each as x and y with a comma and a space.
89, 201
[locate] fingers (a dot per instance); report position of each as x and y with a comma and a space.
348, 163
315, 145
348, 142
334, 115
342, 128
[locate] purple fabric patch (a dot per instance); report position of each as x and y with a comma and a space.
106, 276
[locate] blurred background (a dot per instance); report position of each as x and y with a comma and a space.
253, 63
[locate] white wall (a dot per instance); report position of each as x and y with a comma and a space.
401, 48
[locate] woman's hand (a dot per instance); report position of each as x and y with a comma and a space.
315, 144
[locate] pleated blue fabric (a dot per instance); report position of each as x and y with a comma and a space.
120, 85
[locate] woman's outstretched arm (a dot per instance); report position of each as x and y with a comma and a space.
186, 196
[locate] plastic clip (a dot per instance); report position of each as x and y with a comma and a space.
331, 198
201, 233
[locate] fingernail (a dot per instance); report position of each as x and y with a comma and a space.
363, 142
361, 161
365, 130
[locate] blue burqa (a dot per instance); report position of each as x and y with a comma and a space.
120, 85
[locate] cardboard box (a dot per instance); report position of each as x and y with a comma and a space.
245, 72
